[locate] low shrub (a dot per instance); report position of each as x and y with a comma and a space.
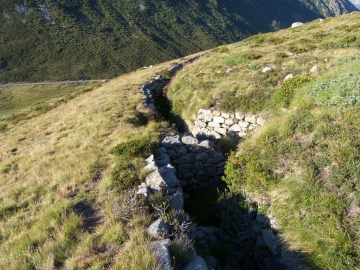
223, 49
180, 251
124, 176
281, 55
276, 40
3, 127
139, 147
283, 95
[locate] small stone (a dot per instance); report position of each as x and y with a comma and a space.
203, 156
314, 68
242, 134
243, 124
271, 241
205, 115
296, 24
143, 191
229, 121
171, 141
162, 160
184, 168
267, 69
218, 157
224, 126
158, 229
222, 131
289, 76
239, 115
206, 144
225, 115
250, 118
162, 253
197, 166
181, 151
235, 128
219, 120
260, 121
214, 125
253, 126
200, 123
189, 140
197, 264
216, 113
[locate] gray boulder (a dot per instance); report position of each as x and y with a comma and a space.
171, 141
162, 160
197, 264
271, 241
162, 254
158, 229
176, 200
189, 140
211, 262
296, 24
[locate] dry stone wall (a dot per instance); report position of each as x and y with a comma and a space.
214, 124
198, 164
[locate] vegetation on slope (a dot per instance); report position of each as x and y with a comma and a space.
302, 167
104, 38
60, 198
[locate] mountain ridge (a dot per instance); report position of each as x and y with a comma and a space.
60, 40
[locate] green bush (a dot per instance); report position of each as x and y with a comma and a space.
223, 49
237, 59
251, 55
281, 55
296, 49
139, 147
3, 127
283, 95
124, 176
246, 171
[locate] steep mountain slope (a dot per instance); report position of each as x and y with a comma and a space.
56, 40
302, 166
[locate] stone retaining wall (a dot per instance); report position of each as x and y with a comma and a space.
162, 179
198, 164
213, 124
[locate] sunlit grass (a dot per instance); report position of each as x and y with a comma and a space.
61, 157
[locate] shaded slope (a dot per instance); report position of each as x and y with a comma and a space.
104, 38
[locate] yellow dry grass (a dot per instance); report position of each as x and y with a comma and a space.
50, 162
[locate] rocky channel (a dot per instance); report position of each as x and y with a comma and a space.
192, 161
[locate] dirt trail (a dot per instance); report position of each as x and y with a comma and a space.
48, 83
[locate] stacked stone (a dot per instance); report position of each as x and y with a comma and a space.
151, 90
162, 179
213, 124
198, 165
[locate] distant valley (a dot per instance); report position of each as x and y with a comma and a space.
71, 40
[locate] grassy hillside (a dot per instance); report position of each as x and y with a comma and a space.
62, 193
56, 185
302, 167
105, 38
